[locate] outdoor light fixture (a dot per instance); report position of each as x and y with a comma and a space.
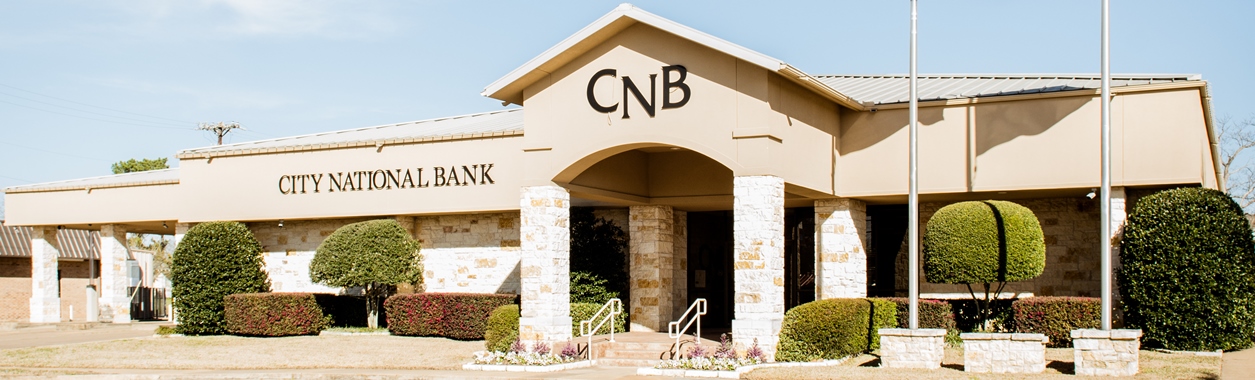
1092, 193
280, 223
163, 225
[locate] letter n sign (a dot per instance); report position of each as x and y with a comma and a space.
672, 78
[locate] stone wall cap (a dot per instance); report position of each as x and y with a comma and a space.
913, 333
1121, 334
1030, 337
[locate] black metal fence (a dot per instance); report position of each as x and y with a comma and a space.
148, 304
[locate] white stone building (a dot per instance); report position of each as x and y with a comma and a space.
739, 178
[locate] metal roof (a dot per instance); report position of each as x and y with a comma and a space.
74, 244
151, 177
889, 89
486, 124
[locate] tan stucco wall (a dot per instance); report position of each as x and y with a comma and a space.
252, 182
98, 206
1049, 143
741, 116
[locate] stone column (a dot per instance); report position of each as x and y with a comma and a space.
840, 249
115, 303
1119, 216
545, 265
45, 302
758, 270
679, 266
651, 244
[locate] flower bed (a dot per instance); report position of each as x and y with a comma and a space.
520, 359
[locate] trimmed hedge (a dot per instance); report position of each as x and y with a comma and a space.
933, 314
214, 260
1057, 317
964, 243
587, 287
1187, 275
502, 329
274, 314
449, 315
583, 311
834, 328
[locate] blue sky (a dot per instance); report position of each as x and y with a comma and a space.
84, 84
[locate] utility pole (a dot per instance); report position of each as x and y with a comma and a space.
219, 128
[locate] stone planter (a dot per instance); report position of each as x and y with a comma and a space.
906, 348
1004, 353
1106, 352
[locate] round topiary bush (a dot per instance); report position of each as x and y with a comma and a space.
503, 328
1187, 271
375, 254
983, 242
214, 260
833, 328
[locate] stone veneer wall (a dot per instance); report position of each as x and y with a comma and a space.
651, 251
758, 268
841, 270
680, 264
1004, 353
475, 253
545, 282
1071, 228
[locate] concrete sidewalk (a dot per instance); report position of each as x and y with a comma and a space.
1238, 365
55, 334
319, 374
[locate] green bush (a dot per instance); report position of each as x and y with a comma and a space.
933, 314
502, 329
375, 254
274, 314
833, 328
214, 260
587, 287
1187, 274
983, 242
449, 315
1056, 317
584, 311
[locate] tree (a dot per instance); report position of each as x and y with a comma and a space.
375, 254
143, 165
983, 242
597, 253
214, 260
1238, 175
1187, 271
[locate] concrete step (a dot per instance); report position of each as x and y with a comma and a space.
617, 362
636, 354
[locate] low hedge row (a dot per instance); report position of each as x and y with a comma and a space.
1056, 317
450, 315
273, 314
503, 324
933, 314
834, 328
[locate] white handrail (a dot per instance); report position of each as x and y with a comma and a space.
673, 328
614, 307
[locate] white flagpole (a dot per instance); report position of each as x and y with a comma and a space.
1106, 167
913, 197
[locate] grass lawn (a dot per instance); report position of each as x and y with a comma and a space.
232, 352
1154, 365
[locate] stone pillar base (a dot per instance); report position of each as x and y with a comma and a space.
45, 309
544, 329
1106, 353
1004, 353
767, 331
906, 348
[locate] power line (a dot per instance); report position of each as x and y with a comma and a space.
49, 151
103, 108
15, 178
89, 118
90, 112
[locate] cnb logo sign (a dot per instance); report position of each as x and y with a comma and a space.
672, 78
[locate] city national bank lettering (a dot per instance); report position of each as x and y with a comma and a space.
381, 179
630, 86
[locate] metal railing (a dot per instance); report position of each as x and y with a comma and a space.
612, 309
698, 309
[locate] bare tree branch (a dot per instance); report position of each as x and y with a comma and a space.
1238, 171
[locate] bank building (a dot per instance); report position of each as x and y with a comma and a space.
739, 179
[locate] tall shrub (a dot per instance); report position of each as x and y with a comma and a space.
598, 251
375, 255
214, 260
833, 328
1187, 274
986, 243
